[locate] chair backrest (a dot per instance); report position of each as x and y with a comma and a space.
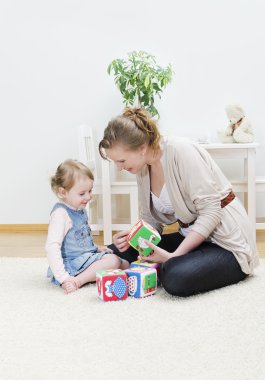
86, 147
105, 187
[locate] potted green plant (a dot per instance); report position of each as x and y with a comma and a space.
140, 79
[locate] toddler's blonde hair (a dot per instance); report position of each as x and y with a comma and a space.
67, 173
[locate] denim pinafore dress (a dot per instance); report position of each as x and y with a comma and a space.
78, 248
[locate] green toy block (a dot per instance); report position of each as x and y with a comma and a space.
140, 232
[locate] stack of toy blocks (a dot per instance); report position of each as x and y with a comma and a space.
112, 284
137, 281
141, 281
142, 275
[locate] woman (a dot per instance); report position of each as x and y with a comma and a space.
178, 181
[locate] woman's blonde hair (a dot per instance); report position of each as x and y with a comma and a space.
67, 173
133, 128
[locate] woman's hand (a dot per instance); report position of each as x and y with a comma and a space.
158, 255
120, 240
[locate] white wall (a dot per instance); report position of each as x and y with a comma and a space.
53, 60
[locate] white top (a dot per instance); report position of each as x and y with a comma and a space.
163, 204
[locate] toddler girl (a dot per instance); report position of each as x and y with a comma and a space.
72, 255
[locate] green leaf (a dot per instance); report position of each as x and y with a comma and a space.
147, 81
139, 78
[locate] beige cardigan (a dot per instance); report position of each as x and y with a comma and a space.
195, 187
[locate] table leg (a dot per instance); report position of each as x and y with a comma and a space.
251, 176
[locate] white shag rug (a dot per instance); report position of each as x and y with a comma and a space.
45, 334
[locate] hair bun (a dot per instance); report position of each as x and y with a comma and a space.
135, 111
140, 116
133, 128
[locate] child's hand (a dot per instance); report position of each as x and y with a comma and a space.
104, 249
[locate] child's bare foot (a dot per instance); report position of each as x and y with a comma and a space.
69, 285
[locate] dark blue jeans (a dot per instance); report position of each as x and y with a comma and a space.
206, 268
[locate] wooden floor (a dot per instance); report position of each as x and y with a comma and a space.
31, 244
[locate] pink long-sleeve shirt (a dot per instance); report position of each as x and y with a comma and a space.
59, 225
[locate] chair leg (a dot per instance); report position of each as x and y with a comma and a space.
106, 202
134, 206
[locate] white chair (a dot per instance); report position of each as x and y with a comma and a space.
86, 153
106, 187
